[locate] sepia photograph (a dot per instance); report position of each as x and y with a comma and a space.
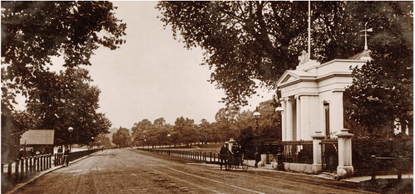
235, 97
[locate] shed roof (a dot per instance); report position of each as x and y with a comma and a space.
38, 137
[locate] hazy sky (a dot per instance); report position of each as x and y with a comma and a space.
153, 75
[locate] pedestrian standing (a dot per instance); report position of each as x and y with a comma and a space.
223, 155
66, 156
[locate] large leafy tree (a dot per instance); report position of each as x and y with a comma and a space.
67, 100
226, 122
161, 131
141, 130
382, 90
184, 131
246, 41
102, 140
205, 131
33, 32
122, 138
269, 123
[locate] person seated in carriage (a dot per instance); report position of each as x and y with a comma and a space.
237, 152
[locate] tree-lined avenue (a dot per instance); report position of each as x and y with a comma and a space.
133, 171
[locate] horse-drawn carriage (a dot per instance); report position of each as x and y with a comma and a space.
233, 160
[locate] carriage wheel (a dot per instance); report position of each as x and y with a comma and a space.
231, 166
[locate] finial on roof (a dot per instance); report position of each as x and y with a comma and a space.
304, 57
366, 31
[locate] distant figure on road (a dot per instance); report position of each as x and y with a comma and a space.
223, 155
66, 156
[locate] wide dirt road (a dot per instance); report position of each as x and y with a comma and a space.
134, 171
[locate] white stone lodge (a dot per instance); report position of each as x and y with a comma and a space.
312, 96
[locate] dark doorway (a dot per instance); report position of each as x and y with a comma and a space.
327, 117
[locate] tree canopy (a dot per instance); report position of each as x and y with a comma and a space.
67, 100
246, 41
34, 31
382, 90
122, 138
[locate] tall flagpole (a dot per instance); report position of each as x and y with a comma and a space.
309, 31
366, 36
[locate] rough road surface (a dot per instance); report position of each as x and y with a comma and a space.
134, 171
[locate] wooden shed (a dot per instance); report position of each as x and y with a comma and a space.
38, 141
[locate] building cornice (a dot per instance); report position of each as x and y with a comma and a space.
334, 61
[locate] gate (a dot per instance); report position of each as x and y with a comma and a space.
329, 155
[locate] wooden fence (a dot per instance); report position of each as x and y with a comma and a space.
23, 169
293, 151
208, 157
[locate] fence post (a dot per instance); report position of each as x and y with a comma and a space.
42, 163
22, 173
9, 170
38, 163
45, 162
48, 161
317, 163
34, 164
345, 168
30, 165
400, 167
26, 166
16, 170
373, 159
